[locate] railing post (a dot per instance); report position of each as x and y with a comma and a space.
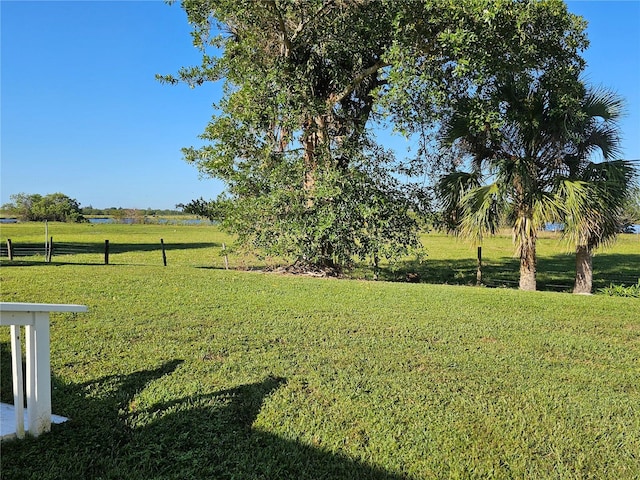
18, 380
35, 318
38, 374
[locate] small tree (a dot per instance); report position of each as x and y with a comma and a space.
631, 211
21, 205
118, 214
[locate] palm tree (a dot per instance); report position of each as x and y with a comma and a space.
519, 160
593, 194
593, 203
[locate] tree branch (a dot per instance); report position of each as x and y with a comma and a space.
286, 42
321, 12
356, 81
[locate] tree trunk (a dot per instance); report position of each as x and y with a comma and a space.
310, 166
584, 270
528, 265
314, 141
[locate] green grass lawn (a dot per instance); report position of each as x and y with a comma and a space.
446, 259
191, 371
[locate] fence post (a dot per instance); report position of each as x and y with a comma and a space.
226, 258
9, 249
49, 251
106, 252
164, 255
376, 266
479, 272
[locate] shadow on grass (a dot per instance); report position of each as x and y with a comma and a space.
554, 273
30, 254
502, 272
196, 437
62, 248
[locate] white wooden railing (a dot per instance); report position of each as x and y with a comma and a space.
35, 318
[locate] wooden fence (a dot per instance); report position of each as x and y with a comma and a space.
48, 250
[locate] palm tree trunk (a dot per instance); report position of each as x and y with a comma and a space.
584, 270
528, 265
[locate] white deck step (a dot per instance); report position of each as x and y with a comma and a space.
8, 421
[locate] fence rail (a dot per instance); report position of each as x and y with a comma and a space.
492, 274
48, 250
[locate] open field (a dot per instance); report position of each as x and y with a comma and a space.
447, 259
190, 371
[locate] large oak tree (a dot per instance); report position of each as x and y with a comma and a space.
306, 83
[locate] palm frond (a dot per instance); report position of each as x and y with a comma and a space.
604, 138
455, 128
547, 207
450, 190
575, 197
603, 103
481, 207
593, 202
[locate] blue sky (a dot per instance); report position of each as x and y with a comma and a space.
82, 114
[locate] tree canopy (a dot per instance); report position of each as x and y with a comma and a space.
306, 83
53, 207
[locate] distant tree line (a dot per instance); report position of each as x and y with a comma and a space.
128, 212
58, 207
55, 207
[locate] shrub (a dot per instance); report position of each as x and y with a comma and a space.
622, 291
